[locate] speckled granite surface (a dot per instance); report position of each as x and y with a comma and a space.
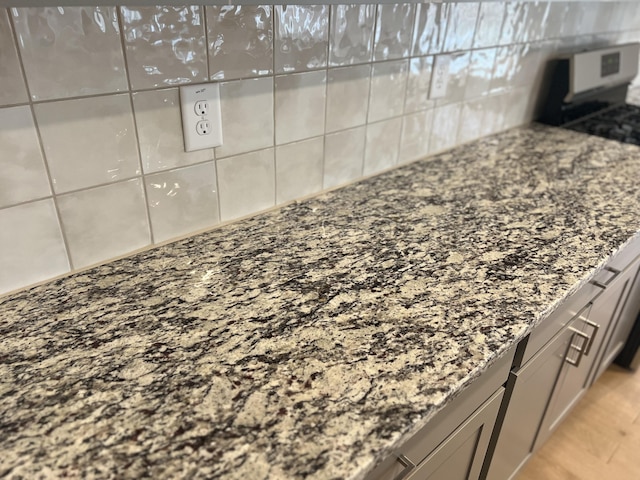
307, 342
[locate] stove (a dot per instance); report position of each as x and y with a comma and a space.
588, 91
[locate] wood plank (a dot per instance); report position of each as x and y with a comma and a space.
600, 438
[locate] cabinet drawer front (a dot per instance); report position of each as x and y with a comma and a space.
572, 307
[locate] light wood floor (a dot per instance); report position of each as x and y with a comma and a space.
600, 440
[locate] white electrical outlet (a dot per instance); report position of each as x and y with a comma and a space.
201, 118
440, 78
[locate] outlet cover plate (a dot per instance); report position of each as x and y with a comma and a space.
192, 120
440, 78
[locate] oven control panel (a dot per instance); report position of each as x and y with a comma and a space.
604, 67
609, 64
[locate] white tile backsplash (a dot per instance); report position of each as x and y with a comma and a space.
182, 201
240, 41
247, 183
394, 27
312, 97
31, 244
13, 87
24, 176
164, 45
247, 116
70, 51
489, 26
88, 141
416, 133
159, 123
104, 222
348, 97
444, 131
351, 39
301, 37
388, 86
461, 26
299, 169
300, 106
343, 156
418, 85
382, 144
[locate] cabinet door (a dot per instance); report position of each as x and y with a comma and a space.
531, 387
580, 357
628, 307
461, 455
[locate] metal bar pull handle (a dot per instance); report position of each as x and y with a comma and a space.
408, 467
596, 329
604, 285
579, 348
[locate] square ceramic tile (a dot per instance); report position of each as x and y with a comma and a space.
300, 106
382, 144
517, 113
164, 45
506, 68
351, 34
247, 183
70, 51
240, 41
537, 17
388, 86
514, 28
394, 26
461, 26
301, 37
24, 176
347, 97
88, 141
490, 19
418, 85
159, 124
471, 121
444, 132
480, 72
343, 156
299, 169
495, 107
429, 28
182, 201
32, 245
104, 222
530, 66
247, 116
13, 88
458, 71
416, 130
558, 11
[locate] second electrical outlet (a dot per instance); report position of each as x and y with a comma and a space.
201, 118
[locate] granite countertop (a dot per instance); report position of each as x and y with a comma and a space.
310, 341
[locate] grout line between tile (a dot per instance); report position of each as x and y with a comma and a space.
205, 25
215, 169
326, 92
135, 127
31, 105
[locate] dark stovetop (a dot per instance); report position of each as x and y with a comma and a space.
620, 123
